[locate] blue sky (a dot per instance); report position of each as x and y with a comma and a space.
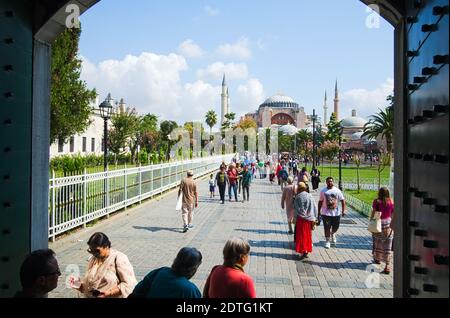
167, 57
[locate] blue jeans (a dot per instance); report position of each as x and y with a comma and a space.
234, 187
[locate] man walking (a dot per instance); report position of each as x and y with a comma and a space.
246, 180
221, 181
330, 212
188, 188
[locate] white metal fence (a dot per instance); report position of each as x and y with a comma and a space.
364, 183
76, 200
357, 204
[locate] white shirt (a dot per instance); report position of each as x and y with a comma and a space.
331, 205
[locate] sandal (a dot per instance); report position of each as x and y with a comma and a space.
386, 271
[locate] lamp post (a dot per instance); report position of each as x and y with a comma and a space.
314, 118
340, 157
106, 108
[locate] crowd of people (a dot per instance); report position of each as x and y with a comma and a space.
110, 274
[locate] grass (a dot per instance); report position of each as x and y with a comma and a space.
366, 196
349, 172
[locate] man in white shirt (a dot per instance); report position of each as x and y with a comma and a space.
330, 212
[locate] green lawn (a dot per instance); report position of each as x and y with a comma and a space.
349, 172
364, 195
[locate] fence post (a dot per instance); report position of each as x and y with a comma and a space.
53, 205
152, 189
84, 198
140, 182
125, 195
107, 194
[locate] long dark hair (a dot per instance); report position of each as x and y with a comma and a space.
384, 196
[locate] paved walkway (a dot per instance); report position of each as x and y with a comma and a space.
151, 235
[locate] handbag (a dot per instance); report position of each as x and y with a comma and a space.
179, 203
374, 225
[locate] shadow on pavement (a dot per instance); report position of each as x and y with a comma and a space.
157, 229
261, 231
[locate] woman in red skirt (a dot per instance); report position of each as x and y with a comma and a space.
306, 212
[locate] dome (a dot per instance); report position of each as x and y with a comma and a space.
288, 130
353, 121
280, 101
357, 135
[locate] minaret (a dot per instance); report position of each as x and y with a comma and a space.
224, 103
336, 101
228, 102
325, 110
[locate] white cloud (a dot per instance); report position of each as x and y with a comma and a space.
211, 11
231, 70
366, 102
239, 50
189, 49
249, 96
151, 83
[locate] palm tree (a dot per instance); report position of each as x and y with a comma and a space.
211, 120
381, 124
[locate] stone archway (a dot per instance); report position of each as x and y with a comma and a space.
28, 28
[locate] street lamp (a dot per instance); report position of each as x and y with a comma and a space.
314, 118
106, 108
341, 129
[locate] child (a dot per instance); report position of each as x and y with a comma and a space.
212, 186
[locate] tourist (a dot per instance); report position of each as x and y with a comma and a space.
109, 273
306, 217
38, 274
222, 181
279, 167
287, 201
246, 181
382, 242
283, 175
172, 282
329, 210
240, 171
315, 178
212, 186
232, 181
229, 280
303, 176
188, 188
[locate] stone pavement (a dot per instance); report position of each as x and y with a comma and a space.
151, 235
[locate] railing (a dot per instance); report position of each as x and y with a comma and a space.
357, 204
364, 183
76, 200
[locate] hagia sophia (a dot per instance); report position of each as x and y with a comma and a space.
285, 113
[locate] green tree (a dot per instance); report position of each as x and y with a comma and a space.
123, 132
334, 129
69, 97
229, 121
211, 120
382, 124
166, 127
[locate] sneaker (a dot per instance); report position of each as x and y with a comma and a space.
185, 229
190, 226
327, 244
290, 232
333, 238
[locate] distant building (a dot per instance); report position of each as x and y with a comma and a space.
91, 140
279, 110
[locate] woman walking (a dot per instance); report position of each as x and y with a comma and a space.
315, 178
287, 200
382, 242
306, 212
